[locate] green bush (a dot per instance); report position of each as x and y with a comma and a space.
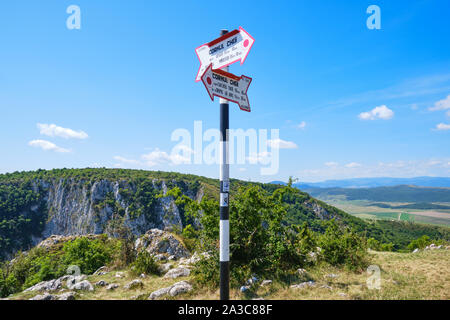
342, 247
378, 246
419, 243
145, 263
88, 255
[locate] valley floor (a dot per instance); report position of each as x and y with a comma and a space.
421, 275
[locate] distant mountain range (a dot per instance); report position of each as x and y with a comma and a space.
374, 182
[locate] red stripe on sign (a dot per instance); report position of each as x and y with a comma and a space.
225, 36
226, 74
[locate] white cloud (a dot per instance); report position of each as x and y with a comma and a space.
281, 144
262, 157
448, 113
47, 146
127, 161
380, 112
301, 125
442, 127
158, 157
353, 165
331, 164
52, 130
443, 104
397, 169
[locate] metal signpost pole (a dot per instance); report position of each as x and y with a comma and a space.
224, 196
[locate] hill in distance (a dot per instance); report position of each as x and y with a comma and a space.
443, 182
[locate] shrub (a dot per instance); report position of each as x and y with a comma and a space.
342, 247
419, 243
145, 263
87, 254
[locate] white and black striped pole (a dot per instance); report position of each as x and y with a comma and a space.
224, 196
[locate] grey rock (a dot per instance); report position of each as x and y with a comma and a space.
157, 241
159, 293
244, 289
266, 283
101, 271
166, 266
66, 296
51, 285
326, 287
306, 284
332, 275
416, 250
101, 283
134, 284
45, 296
73, 280
179, 288
173, 290
177, 272
82, 285
112, 286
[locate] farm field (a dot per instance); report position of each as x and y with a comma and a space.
374, 211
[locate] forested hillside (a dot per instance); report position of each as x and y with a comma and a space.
35, 205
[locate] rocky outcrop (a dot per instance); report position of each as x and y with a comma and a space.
77, 207
158, 242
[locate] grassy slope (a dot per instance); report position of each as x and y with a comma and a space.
423, 275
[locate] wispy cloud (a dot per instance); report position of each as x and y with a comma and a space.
52, 130
301, 125
442, 127
443, 104
47, 146
281, 144
400, 168
353, 165
380, 112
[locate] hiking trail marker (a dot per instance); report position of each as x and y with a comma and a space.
229, 48
226, 85
215, 57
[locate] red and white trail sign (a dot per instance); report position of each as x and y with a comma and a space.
226, 50
226, 85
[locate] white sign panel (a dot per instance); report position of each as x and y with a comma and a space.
228, 49
226, 85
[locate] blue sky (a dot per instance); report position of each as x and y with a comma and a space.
349, 101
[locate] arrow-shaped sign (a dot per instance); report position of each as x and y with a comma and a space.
226, 85
226, 50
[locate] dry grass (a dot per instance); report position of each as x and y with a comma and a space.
423, 275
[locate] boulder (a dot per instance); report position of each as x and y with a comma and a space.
101, 283
173, 290
67, 296
134, 284
45, 296
332, 275
306, 284
177, 272
165, 267
416, 250
82, 285
179, 288
72, 280
244, 289
51, 285
156, 241
101, 271
159, 293
112, 286
266, 283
